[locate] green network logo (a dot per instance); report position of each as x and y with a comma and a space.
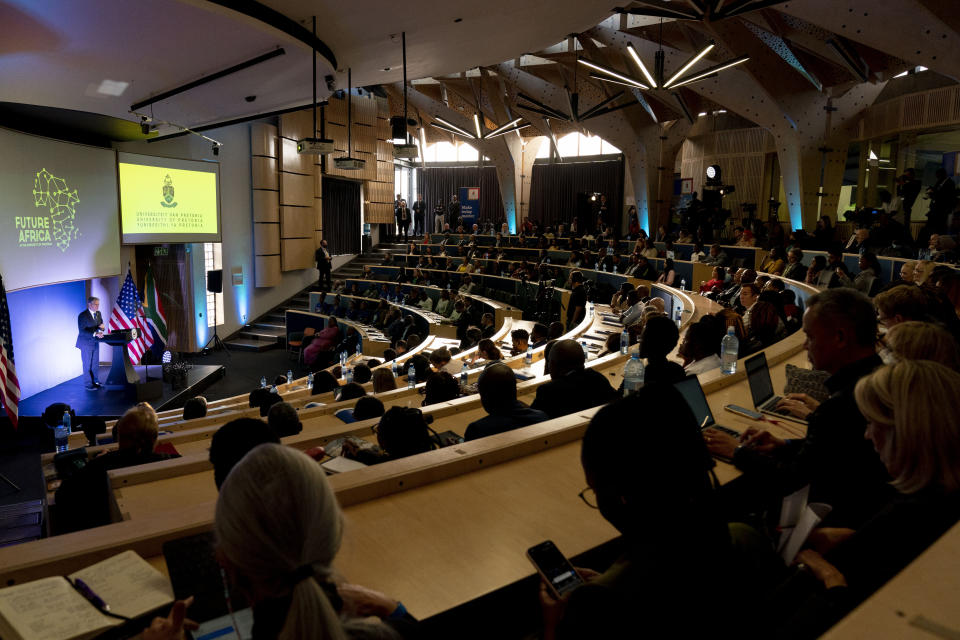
168, 193
52, 192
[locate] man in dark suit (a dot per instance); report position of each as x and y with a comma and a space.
419, 215
89, 329
943, 199
403, 220
572, 387
453, 212
322, 256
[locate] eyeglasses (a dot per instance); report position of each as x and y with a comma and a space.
589, 497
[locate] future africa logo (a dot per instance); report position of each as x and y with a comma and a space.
168, 193
60, 226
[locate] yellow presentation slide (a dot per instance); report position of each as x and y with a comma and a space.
167, 201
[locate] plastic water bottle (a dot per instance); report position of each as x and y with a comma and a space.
289, 376
343, 358
683, 284
624, 342
586, 349
729, 347
528, 358
359, 348
61, 433
679, 316
394, 369
348, 375
310, 380
463, 373
633, 375
263, 382
411, 377
614, 268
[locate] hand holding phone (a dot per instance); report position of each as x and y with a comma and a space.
558, 574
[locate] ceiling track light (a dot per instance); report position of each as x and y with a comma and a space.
610, 72
449, 127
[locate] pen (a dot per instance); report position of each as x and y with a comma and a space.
94, 599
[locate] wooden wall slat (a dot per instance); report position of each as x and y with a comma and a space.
297, 222
264, 173
263, 140
296, 190
266, 206
266, 239
267, 270
296, 253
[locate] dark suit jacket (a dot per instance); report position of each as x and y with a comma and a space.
86, 327
574, 392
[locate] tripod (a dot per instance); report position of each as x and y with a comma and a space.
215, 339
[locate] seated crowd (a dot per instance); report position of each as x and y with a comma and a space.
877, 450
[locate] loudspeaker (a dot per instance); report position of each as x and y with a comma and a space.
215, 281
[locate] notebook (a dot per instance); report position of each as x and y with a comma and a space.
53, 609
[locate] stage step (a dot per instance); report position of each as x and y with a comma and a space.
243, 344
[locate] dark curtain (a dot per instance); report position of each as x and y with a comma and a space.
439, 184
554, 189
341, 216
171, 274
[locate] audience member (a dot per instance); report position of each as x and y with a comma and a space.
659, 337
283, 419
572, 387
234, 440
913, 340
194, 408
538, 335
350, 391
323, 382
498, 395
362, 373
440, 387
699, 346
383, 380
520, 340
834, 459
368, 407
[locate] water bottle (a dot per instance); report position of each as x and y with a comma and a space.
728, 352
528, 358
624, 342
596, 266
586, 350
343, 358
61, 433
310, 380
683, 284
394, 368
263, 382
463, 373
289, 376
679, 316
359, 348
411, 377
614, 268
633, 375
347, 375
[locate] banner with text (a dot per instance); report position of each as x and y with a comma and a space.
469, 207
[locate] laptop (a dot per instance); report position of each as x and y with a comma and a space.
692, 392
761, 388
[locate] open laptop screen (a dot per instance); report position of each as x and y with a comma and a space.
692, 392
758, 376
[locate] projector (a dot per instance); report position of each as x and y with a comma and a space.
405, 151
349, 164
314, 147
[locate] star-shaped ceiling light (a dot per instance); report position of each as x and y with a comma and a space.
513, 125
655, 80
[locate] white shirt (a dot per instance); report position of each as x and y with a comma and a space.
703, 365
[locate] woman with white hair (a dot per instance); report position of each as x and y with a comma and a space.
278, 528
918, 440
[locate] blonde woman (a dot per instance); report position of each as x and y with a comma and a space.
383, 380
918, 441
914, 340
278, 529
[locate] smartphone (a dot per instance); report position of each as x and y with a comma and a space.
554, 568
741, 411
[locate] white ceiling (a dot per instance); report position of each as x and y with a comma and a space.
55, 53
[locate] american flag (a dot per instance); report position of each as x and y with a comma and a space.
128, 314
9, 385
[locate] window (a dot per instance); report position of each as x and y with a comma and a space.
576, 144
401, 183
449, 152
213, 259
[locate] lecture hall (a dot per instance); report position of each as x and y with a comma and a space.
533, 320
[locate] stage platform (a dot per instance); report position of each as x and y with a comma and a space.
112, 404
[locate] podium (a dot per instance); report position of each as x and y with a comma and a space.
122, 375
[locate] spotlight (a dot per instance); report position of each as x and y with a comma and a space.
398, 130
145, 125
593, 197
216, 149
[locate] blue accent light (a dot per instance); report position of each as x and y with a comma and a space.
44, 325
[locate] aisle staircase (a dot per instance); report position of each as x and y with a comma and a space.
269, 331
